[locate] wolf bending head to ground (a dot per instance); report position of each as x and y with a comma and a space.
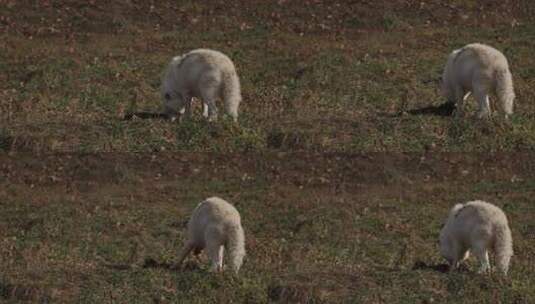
478, 69
477, 227
215, 225
205, 74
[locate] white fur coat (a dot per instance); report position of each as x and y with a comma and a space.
478, 69
215, 225
205, 74
477, 227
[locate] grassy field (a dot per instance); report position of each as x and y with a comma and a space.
327, 76
342, 185
356, 229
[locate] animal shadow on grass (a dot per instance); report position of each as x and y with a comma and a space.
145, 115
152, 263
443, 268
445, 109
147, 263
186, 266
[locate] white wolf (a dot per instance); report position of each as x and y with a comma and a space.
477, 226
214, 225
478, 69
205, 74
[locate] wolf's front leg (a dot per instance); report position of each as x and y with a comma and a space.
204, 110
482, 98
480, 251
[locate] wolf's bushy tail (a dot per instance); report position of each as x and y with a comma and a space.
236, 247
503, 247
505, 90
231, 93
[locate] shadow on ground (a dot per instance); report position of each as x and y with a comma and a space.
443, 268
445, 109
